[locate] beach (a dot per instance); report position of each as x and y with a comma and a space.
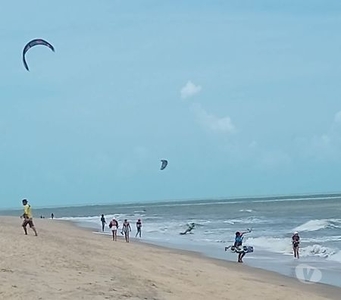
315, 217
66, 262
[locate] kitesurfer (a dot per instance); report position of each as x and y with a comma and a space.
189, 229
238, 245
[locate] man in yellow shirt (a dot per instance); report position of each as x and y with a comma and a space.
27, 215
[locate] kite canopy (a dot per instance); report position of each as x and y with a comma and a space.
164, 164
31, 44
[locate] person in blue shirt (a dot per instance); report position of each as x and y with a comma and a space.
238, 243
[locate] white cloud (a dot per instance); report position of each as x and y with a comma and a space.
212, 122
189, 90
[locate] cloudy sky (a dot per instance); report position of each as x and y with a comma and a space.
242, 97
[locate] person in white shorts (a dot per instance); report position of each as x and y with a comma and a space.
114, 226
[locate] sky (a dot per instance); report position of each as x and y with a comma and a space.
241, 97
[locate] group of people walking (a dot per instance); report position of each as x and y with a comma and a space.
113, 225
126, 228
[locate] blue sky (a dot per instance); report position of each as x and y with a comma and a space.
242, 98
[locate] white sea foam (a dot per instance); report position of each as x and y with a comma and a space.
248, 220
214, 232
271, 244
314, 225
283, 245
93, 219
323, 239
216, 225
317, 250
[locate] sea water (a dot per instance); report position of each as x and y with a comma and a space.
273, 220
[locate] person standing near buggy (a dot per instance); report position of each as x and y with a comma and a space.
27, 216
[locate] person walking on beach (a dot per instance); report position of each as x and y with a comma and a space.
138, 228
103, 222
27, 216
295, 239
114, 226
52, 216
126, 230
238, 243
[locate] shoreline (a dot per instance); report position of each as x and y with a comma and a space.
270, 274
272, 262
227, 262
275, 262
69, 262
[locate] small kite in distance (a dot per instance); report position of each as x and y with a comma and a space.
164, 164
31, 44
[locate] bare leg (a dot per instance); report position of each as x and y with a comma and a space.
35, 231
240, 257
294, 252
25, 229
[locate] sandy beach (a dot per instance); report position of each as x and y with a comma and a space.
66, 262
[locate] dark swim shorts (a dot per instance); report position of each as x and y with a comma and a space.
28, 222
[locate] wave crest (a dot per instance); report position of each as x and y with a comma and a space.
314, 225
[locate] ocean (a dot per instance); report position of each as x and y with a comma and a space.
273, 220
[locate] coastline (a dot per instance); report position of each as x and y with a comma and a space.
68, 262
272, 262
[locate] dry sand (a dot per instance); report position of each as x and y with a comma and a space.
65, 262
